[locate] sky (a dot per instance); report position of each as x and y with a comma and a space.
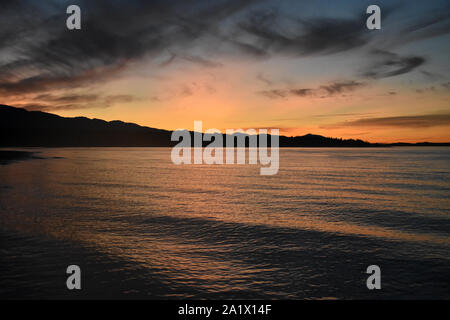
299, 66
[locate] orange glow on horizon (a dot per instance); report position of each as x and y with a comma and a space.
230, 98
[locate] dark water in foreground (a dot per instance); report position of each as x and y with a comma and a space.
141, 227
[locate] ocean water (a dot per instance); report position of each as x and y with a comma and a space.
141, 227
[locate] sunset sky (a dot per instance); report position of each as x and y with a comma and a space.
300, 66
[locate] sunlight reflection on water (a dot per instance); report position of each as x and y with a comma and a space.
227, 231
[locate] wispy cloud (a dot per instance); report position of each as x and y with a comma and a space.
275, 34
51, 102
261, 77
416, 121
202, 61
388, 64
327, 90
43, 55
429, 25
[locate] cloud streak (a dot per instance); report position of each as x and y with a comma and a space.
51, 102
327, 90
417, 121
304, 37
388, 64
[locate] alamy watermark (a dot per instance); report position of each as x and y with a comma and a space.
74, 280
73, 22
374, 280
215, 151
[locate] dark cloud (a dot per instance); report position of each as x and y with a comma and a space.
333, 115
51, 102
342, 86
49, 81
433, 76
74, 98
168, 61
418, 121
327, 90
202, 61
446, 85
43, 54
46, 107
248, 49
39, 54
301, 37
302, 92
429, 25
388, 64
275, 93
261, 77
198, 60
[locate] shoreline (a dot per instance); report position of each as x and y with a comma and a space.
9, 156
373, 146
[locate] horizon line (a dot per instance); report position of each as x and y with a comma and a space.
224, 133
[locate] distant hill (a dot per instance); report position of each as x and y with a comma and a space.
19, 127
22, 128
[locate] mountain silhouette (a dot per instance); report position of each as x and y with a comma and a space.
22, 128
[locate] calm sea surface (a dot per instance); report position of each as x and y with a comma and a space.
142, 227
